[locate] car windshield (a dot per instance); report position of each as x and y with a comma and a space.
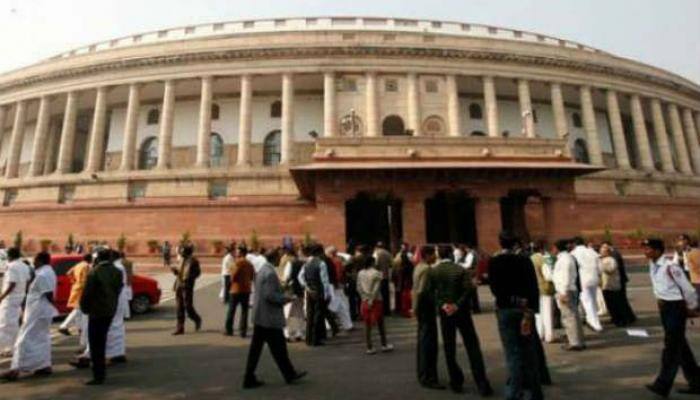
61, 267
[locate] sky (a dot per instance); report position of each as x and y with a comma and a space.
665, 33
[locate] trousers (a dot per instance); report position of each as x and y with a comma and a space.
235, 300
97, 338
184, 302
521, 356
427, 350
570, 319
676, 353
462, 321
274, 337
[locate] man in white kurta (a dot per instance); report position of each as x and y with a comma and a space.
14, 287
589, 272
32, 351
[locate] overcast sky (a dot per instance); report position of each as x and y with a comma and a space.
662, 33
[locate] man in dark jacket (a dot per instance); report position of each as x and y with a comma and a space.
186, 275
514, 284
314, 278
451, 284
99, 303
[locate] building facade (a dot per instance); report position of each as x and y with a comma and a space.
346, 129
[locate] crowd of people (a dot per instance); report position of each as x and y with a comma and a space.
311, 293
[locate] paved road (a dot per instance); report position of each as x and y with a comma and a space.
208, 365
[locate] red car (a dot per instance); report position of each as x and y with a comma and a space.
146, 290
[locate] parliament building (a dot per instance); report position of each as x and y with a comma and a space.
345, 129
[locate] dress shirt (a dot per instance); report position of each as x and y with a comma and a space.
226, 264
670, 283
589, 265
564, 274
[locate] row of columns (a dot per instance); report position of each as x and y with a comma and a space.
682, 124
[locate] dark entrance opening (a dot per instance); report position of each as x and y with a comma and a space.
373, 217
450, 218
513, 218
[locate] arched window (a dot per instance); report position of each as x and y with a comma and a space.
276, 109
215, 111
153, 117
475, 111
271, 148
393, 126
216, 150
148, 155
581, 152
478, 133
576, 120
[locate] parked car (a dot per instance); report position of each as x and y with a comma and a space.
146, 290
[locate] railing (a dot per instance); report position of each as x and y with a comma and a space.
325, 24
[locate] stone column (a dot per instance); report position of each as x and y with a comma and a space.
371, 105
97, 132
491, 106
40, 132
454, 127
618, 132
413, 209
662, 136
130, 128
677, 131
50, 160
245, 121
330, 118
65, 149
640, 132
165, 132
589, 126
560, 123
15, 150
413, 104
527, 117
692, 137
204, 127
287, 139
488, 221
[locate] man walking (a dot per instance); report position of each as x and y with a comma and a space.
77, 275
564, 277
589, 272
451, 284
242, 274
269, 322
424, 309
14, 288
32, 351
100, 301
677, 301
186, 275
514, 284
166, 252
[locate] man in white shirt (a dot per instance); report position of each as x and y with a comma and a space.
32, 351
3, 258
677, 301
14, 287
589, 270
564, 278
226, 264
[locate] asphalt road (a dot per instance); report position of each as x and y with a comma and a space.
208, 365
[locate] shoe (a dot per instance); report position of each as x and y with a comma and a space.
388, 348
10, 376
80, 363
178, 332
433, 385
117, 360
43, 372
252, 384
689, 390
371, 352
95, 382
486, 390
297, 376
198, 325
654, 389
457, 389
227, 333
568, 347
64, 331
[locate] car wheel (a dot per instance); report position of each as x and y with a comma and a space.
140, 304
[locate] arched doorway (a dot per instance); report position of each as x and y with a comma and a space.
148, 155
272, 153
372, 218
216, 150
393, 126
450, 218
581, 152
513, 215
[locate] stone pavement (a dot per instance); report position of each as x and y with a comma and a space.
208, 365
